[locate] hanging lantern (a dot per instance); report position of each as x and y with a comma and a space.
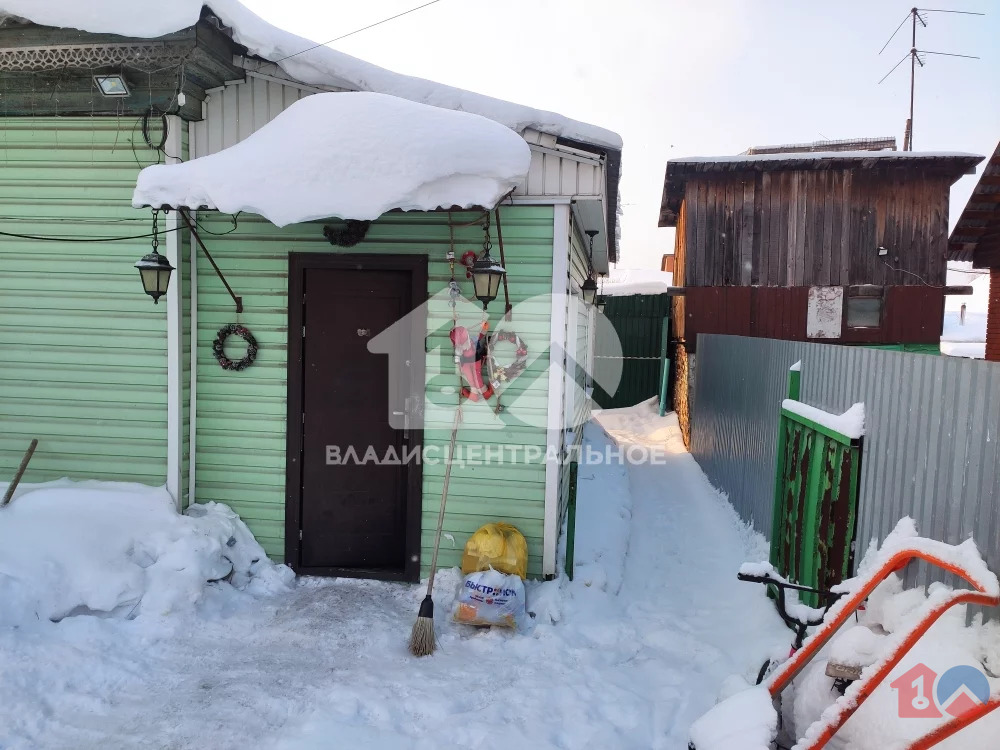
154, 269
589, 291
486, 277
486, 272
602, 299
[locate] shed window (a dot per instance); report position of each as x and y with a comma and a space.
864, 307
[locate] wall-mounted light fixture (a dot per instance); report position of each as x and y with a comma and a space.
112, 85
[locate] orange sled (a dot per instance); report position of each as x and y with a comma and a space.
985, 592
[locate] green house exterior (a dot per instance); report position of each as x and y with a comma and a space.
117, 388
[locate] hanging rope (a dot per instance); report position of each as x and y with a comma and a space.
454, 292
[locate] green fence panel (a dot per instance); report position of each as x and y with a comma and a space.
641, 322
815, 503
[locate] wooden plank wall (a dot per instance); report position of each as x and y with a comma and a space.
677, 313
821, 227
912, 315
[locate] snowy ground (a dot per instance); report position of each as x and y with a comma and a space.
625, 656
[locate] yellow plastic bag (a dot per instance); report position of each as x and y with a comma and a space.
499, 546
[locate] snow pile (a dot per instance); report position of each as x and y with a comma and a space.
119, 549
324, 664
351, 156
744, 721
602, 532
964, 556
949, 643
891, 614
321, 66
624, 282
851, 423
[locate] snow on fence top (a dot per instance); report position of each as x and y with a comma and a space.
321, 66
350, 156
850, 424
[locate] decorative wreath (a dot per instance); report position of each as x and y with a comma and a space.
500, 373
219, 346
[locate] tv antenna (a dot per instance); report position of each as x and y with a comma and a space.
915, 16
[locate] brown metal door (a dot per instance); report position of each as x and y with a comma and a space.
355, 509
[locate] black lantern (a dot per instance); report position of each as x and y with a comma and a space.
601, 302
589, 291
486, 277
154, 270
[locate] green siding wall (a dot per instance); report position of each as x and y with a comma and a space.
83, 349
578, 270
241, 416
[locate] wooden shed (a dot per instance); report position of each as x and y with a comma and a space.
842, 247
976, 238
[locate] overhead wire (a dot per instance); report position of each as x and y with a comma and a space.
85, 239
358, 31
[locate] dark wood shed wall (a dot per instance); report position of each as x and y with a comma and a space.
815, 228
913, 315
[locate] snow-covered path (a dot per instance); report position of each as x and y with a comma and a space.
625, 656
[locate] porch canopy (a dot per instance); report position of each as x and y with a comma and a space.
348, 155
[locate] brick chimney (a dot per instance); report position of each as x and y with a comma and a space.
993, 318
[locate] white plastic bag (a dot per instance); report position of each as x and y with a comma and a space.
489, 597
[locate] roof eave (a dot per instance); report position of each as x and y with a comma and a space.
679, 172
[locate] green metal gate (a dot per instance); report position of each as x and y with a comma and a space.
641, 322
815, 502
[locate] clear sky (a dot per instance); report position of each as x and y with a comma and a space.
690, 77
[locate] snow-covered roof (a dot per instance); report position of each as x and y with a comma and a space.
624, 282
351, 156
827, 155
321, 66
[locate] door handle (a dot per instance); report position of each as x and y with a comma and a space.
405, 414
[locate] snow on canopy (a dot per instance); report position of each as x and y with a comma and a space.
350, 156
321, 66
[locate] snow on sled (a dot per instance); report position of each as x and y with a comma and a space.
858, 659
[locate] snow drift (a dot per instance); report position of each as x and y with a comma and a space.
351, 156
299, 57
119, 549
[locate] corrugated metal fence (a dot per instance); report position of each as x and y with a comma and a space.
932, 437
638, 321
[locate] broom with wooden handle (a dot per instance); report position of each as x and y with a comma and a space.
20, 473
422, 638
